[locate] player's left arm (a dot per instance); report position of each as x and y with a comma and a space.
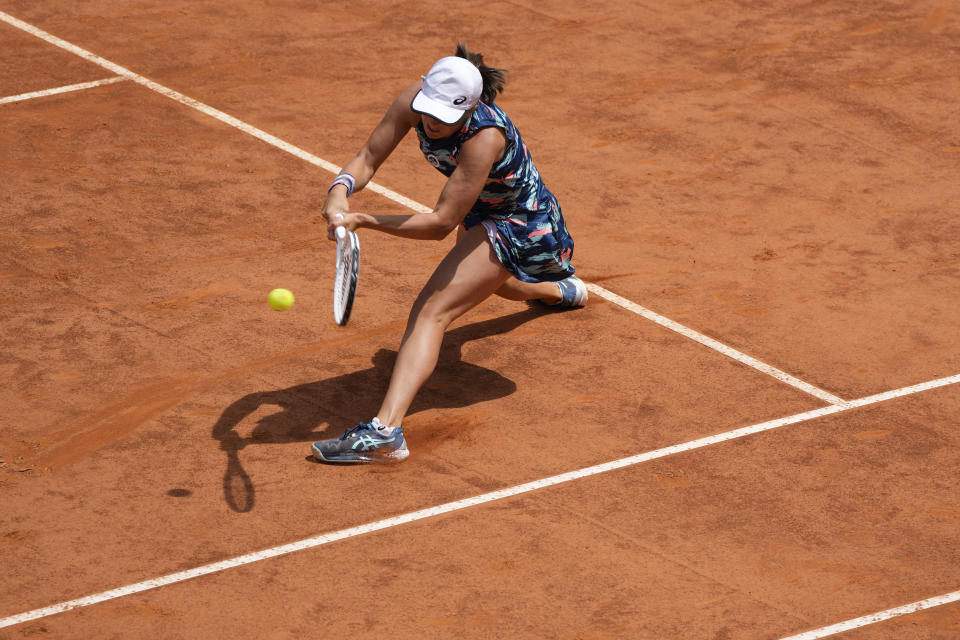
460, 193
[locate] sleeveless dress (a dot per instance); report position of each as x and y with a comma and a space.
531, 239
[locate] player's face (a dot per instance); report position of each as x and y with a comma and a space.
436, 130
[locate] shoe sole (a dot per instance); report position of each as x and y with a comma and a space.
398, 455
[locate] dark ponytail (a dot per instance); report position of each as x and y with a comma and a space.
493, 79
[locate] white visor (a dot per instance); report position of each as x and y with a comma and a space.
452, 87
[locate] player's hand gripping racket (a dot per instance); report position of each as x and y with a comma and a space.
348, 270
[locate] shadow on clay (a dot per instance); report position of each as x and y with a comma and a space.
324, 409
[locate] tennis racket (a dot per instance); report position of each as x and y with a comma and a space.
348, 270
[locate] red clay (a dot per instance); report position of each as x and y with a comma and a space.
779, 177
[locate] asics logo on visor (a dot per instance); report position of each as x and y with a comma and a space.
460, 100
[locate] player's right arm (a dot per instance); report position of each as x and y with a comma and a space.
397, 121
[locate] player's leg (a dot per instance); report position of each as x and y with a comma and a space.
569, 292
465, 277
514, 289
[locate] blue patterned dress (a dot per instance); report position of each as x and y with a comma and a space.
532, 241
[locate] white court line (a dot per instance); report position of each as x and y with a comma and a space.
403, 200
72, 87
715, 345
210, 111
457, 505
880, 616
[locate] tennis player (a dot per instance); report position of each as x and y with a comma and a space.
511, 241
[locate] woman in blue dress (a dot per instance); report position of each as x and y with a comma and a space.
511, 235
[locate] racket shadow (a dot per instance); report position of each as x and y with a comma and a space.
325, 408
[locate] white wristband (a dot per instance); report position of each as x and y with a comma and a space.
346, 180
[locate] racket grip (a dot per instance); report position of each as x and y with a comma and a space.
341, 232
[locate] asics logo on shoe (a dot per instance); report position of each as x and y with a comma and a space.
368, 442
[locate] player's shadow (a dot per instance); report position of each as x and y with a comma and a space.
325, 408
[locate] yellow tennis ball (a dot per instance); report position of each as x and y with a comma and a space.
280, 299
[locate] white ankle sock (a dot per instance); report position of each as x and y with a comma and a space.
381, 428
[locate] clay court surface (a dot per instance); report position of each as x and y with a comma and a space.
777, 181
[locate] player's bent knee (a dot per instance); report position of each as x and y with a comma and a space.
428, 307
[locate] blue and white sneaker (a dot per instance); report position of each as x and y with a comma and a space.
363, 443
574, 293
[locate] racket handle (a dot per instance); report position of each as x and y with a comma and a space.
341, 232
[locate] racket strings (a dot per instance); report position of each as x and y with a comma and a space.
346, 277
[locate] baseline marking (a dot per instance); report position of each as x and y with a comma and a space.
72, 87
457, 505
403, 200
715, 345
880, 616
204, 108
